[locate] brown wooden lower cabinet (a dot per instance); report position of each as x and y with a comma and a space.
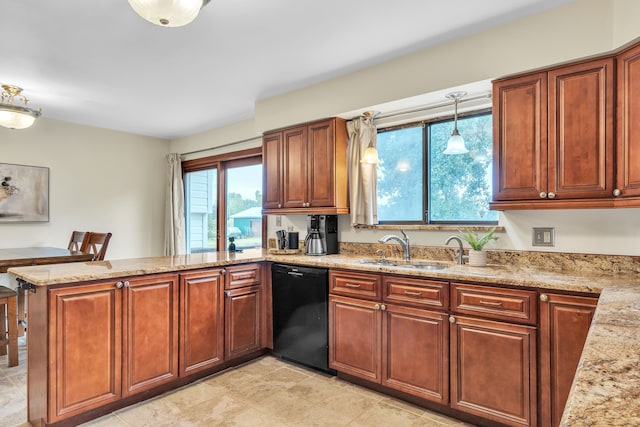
242, 317
124, 331
399, 347
201, 320
85, 328
564, 324
150, 349
493, 370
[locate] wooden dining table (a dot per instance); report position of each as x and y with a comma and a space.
38, 255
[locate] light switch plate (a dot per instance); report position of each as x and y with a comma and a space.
543, 236
278, 220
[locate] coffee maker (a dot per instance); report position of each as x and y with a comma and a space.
322, 235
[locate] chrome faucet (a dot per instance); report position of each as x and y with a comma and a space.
460, 255
403, 241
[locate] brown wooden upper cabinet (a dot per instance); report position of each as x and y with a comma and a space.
305, 168
628, 127
553, 137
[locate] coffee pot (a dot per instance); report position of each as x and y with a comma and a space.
314, 244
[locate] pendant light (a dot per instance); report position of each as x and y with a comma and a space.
455, 145
14, 116
370, 155
168, 13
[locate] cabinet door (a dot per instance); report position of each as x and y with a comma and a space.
628, 123
354, 337
415, 352
271, 172
581, 130
242, 318
294, 170
493, 370
150, 351
564, 324
321, 161
520, 137
84, 348
201, 321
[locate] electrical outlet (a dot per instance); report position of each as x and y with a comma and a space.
278, 220
543, 236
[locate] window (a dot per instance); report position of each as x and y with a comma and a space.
223, 198
417, 183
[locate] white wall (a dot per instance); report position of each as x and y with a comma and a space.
99, 180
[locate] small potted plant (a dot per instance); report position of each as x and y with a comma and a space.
477, 255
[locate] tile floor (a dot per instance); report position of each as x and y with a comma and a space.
264, 392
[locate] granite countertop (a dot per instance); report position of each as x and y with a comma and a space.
606, 389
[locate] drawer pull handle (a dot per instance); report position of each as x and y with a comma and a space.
496, 303
413, 294
352, 285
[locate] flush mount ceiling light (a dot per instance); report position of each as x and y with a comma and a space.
14, 116
168, 13
455, 145
370, 155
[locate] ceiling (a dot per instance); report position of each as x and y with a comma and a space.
97, 63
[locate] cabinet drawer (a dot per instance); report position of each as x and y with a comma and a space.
419, 292
495, 303
242, 275
362, 285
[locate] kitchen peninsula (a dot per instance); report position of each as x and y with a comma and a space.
593, 400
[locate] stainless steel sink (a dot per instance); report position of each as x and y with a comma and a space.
421, 265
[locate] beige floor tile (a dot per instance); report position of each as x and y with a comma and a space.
385, 415
107, 421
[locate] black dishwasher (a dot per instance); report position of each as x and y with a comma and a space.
301, 315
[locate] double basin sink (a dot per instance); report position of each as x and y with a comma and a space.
413, 264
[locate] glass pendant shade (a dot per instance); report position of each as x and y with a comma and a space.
168, 13
455, 145
370, 155
15, 116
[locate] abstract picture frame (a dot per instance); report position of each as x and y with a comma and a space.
24, 193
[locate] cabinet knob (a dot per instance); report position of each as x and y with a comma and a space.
543, 195
452, 319
223, 271
376, 307
119, 285
126, 283
551, 195
383, 307
279, 205
544, 297
617, 192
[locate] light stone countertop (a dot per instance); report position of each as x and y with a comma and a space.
606, 389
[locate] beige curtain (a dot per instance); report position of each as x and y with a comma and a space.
174, 233
362, 176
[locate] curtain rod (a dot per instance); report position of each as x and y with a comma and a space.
219, 146
431, 106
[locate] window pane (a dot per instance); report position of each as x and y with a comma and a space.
201, 210
400, 175
244, 206
460, 184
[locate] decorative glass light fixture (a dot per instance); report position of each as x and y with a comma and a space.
455, 145
14, 116
370, 155
168, 13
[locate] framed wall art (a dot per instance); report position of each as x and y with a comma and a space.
24, 193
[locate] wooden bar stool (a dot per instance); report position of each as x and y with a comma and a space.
9, 324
